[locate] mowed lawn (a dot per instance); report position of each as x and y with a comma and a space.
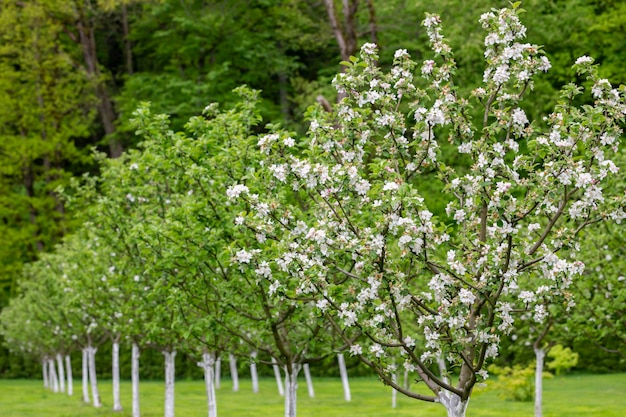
571, 396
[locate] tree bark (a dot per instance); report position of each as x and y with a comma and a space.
309, 381
394, 392
117, 405
169, 382
279, 382
344, 35
54, 381
44, 370
208, 364
87, 40
61, 373
93, 378
291, 389
68, 371
539, 356
128, 49
253, 373
135, 379
85, 375
233, 371
344, 377
455, 407
218, 373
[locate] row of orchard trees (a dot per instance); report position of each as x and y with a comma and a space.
233, 237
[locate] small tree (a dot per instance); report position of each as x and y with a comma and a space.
361, 238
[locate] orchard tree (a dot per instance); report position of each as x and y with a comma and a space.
193, 240
380, 265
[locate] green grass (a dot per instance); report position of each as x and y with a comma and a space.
571, 396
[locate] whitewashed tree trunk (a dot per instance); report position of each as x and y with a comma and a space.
253, 373
344, 377
68, 371
85, 376
115, 373
394, 393
539, 355
309, 381
93, 378
233, 371
169, 382
291, 390
218, 373
135, 379
44, 370
52, 373
279, 382
208, 364
407, 383
455, 407
61, 372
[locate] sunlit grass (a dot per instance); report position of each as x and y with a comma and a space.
571, 396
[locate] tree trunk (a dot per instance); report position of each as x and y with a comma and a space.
85, 375
539, 355
394, 392
87, 40
169, 382
455, 407
279, 382
233, 371
291, 389
54, 380
117, 405
135, 379
253, 373
93, 378
218, 373
44, 370
344, 377
309, 381
128, 49
61, 373
68, 371
407, 383
208, 364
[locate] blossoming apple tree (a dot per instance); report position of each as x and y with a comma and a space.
233, 308
361, 237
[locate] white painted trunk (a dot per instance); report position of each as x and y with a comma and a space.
233, 371
394, 393
443, 370
169, 383
135, 379
44, 369
309, 381
52, 373
117, 404
68, 371
279, 382
455, 407
407, 383
93, 378
218, 373
208, 364
253, 373
61, 372
344, 377
539, 356
85, 376
291, 390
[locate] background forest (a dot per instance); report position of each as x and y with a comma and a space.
73, 71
